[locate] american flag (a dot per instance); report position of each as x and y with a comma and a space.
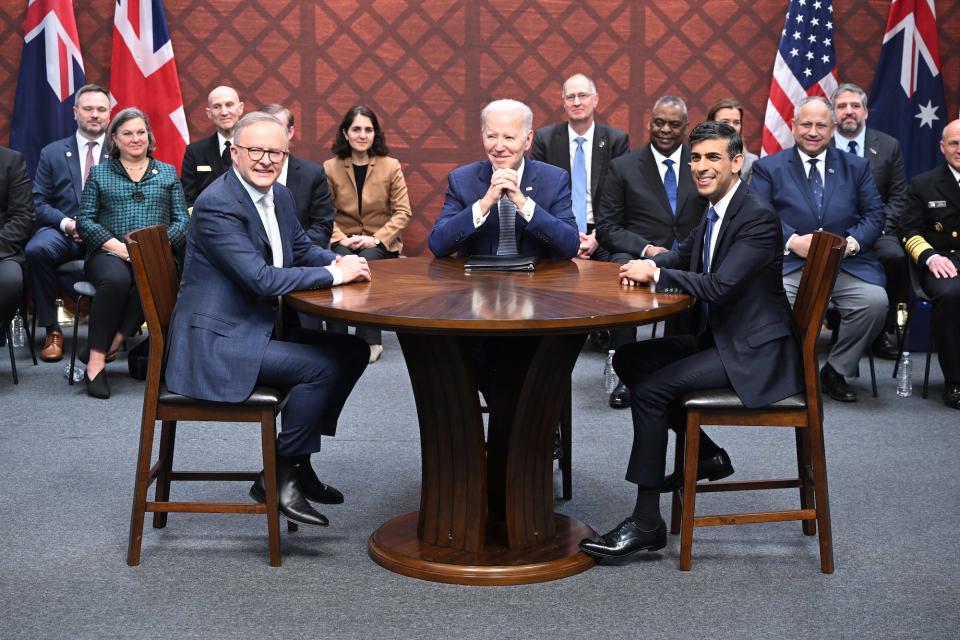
51, 70
144, 74
805, 66
907, 99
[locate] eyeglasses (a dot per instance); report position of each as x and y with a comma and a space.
573, 97
256, 154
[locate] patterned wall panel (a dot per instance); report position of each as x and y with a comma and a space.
428, 67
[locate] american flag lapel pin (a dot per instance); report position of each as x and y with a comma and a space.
830, 170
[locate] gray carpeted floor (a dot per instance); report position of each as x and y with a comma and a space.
66, 477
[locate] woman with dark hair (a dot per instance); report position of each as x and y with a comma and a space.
370, 197
130, 191
730, 111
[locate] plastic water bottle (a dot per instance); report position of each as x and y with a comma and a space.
610, 379
78, 371
905, 376
16, 330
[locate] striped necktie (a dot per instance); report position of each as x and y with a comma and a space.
507, 245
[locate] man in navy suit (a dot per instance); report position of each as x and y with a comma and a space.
815, 186
207, 159
882, 153
506, 205
307, 182
61, 174
732, 263
245, 248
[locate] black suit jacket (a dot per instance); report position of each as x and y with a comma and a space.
311, 194
202, 164
882, 153
931, 222
748, 314
16, 205
551, 144
634, 211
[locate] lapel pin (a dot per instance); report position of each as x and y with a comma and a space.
603, 143
874, 151
69, 153
154, 172
529, 188
830, 171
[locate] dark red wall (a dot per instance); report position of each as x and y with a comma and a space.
428, 67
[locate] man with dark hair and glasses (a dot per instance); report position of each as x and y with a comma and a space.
245, 249
649, 205
745, 339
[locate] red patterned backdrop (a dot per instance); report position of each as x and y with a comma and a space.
428, 67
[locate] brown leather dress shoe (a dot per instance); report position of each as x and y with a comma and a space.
52, 347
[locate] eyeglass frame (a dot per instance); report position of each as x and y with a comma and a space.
263, 152
572, 97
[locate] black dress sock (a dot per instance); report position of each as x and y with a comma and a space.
647, 510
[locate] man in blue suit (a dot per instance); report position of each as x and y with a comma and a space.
816, 186
506, 205
61, 174
732, 263
245, 248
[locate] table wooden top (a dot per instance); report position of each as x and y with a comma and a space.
436, 295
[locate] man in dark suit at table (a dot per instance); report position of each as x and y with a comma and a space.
207, 159
245, 249
732, 264
61, 174
931, 225
506, 205
16, 224
307, 182
649, 205
882, 152
583, 148
814, 186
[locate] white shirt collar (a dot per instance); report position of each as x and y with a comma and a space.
956, 174
222, 142
523, 163
97, 150
254, 193
842, 142
721, 206
675, 156
822, 157
586, 135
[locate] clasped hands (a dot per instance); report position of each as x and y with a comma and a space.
637, 272
353, 268
503, 181
800, 245
358, 242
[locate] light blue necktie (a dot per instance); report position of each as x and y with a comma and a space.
670, 184
579, 185
507, 244
816, 184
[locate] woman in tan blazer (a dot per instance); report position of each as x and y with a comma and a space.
370, 198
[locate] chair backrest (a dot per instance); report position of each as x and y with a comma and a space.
820, 271
157, 281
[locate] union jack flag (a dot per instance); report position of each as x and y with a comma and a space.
907, 98
144, 74
51, 70
805, 66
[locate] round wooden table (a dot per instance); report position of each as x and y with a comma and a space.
486, 507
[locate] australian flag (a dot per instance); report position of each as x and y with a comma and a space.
907, 96
51, 70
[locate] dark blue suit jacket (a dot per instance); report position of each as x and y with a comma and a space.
227, 305
307, 182
851, 205
551, 233
58, 185
748, 312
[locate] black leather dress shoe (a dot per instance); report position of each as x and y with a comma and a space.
625, 540
620, 398
98, 387
315, 490
951, 395
716, 467
293, 502
835, 386
883, 348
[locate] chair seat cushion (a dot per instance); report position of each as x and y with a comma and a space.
84, 288
727, 399
261, 395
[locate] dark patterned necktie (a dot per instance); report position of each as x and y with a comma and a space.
852, 147
712, 218
225, 156
816, 183
507, 244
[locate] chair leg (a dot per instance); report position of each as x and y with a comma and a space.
691, 455
73, 345
653, 332
873, 374
676, 503
30, 333
805, 472
566, 442
818, 459
168, 438
268, 436
926, 368
140, 487
13, 357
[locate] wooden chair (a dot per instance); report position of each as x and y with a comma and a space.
157, 281
803, 412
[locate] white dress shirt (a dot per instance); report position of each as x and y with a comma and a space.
587, 158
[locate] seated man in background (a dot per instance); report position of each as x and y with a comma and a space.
16, 225
732, 264
245, 248
208, 158
815, 186
931, 225
529, 200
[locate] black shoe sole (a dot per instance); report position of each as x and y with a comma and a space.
653, 546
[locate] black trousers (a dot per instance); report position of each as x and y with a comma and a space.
116, 304
658, 372
11, 290
946, 318
371, 335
